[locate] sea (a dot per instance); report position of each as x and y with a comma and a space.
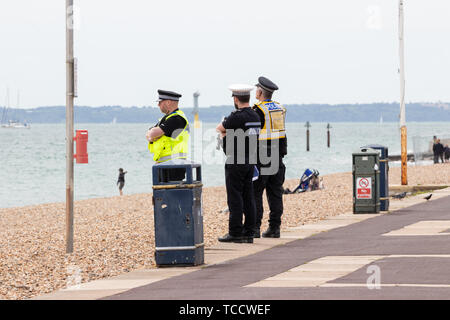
33, 165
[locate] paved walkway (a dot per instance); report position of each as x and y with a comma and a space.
404, 254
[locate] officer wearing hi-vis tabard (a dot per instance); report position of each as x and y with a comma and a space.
169, 138
239, 132
272, 148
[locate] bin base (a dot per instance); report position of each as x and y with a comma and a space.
366, 209
371, 212
180, 258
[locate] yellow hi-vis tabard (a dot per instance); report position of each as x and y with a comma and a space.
167, 148
274, 124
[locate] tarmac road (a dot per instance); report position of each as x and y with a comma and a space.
400, 255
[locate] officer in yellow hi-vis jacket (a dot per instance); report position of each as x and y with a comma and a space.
169, 138
272, 147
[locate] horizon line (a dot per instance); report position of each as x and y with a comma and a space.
226, 105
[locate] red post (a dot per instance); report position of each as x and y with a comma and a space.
81, 139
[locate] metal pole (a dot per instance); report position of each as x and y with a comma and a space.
404, 149
328, 135
69, 125
196, 120
307, 135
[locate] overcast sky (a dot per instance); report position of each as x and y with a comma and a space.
324, 51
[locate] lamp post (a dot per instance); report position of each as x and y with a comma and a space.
404, 149
70, 95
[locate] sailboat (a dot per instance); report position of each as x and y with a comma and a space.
12, 124
381, 119
16, 125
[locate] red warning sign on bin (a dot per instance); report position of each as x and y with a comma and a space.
364, 188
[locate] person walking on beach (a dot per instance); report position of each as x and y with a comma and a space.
438, 151
435, 154
121, 180
169, 138
239, 132
272, 148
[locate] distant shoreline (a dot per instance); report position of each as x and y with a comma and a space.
374, 112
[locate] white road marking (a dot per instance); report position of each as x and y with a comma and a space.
319, 272
423, 228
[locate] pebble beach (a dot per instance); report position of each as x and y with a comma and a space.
115, 235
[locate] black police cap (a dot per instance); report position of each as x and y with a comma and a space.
266, 84
168, 95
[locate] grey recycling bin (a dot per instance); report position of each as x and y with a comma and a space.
384, 175
177, 202
366, 181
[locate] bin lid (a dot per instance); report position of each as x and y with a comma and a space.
366, 151
162, 172
375, 146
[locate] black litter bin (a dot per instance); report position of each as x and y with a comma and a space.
366, 181
384, 175
178, 213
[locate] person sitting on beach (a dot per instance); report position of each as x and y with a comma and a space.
309, 181
121, 180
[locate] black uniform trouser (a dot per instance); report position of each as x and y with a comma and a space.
438, 156
238, 179
274, 191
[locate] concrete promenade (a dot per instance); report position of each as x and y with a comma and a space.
403, 254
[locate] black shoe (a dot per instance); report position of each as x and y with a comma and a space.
247, 239
272, 232
228, 238
257, 233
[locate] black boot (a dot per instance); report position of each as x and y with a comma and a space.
247, 236
228, 238
272, 232
247, 239
257, 233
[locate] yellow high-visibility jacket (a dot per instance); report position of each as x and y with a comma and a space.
275, 118
167, 148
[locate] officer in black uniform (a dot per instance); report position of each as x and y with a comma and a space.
240, 138
272, 148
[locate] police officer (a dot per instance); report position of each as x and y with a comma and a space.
240, 134
169, 138
272, 148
